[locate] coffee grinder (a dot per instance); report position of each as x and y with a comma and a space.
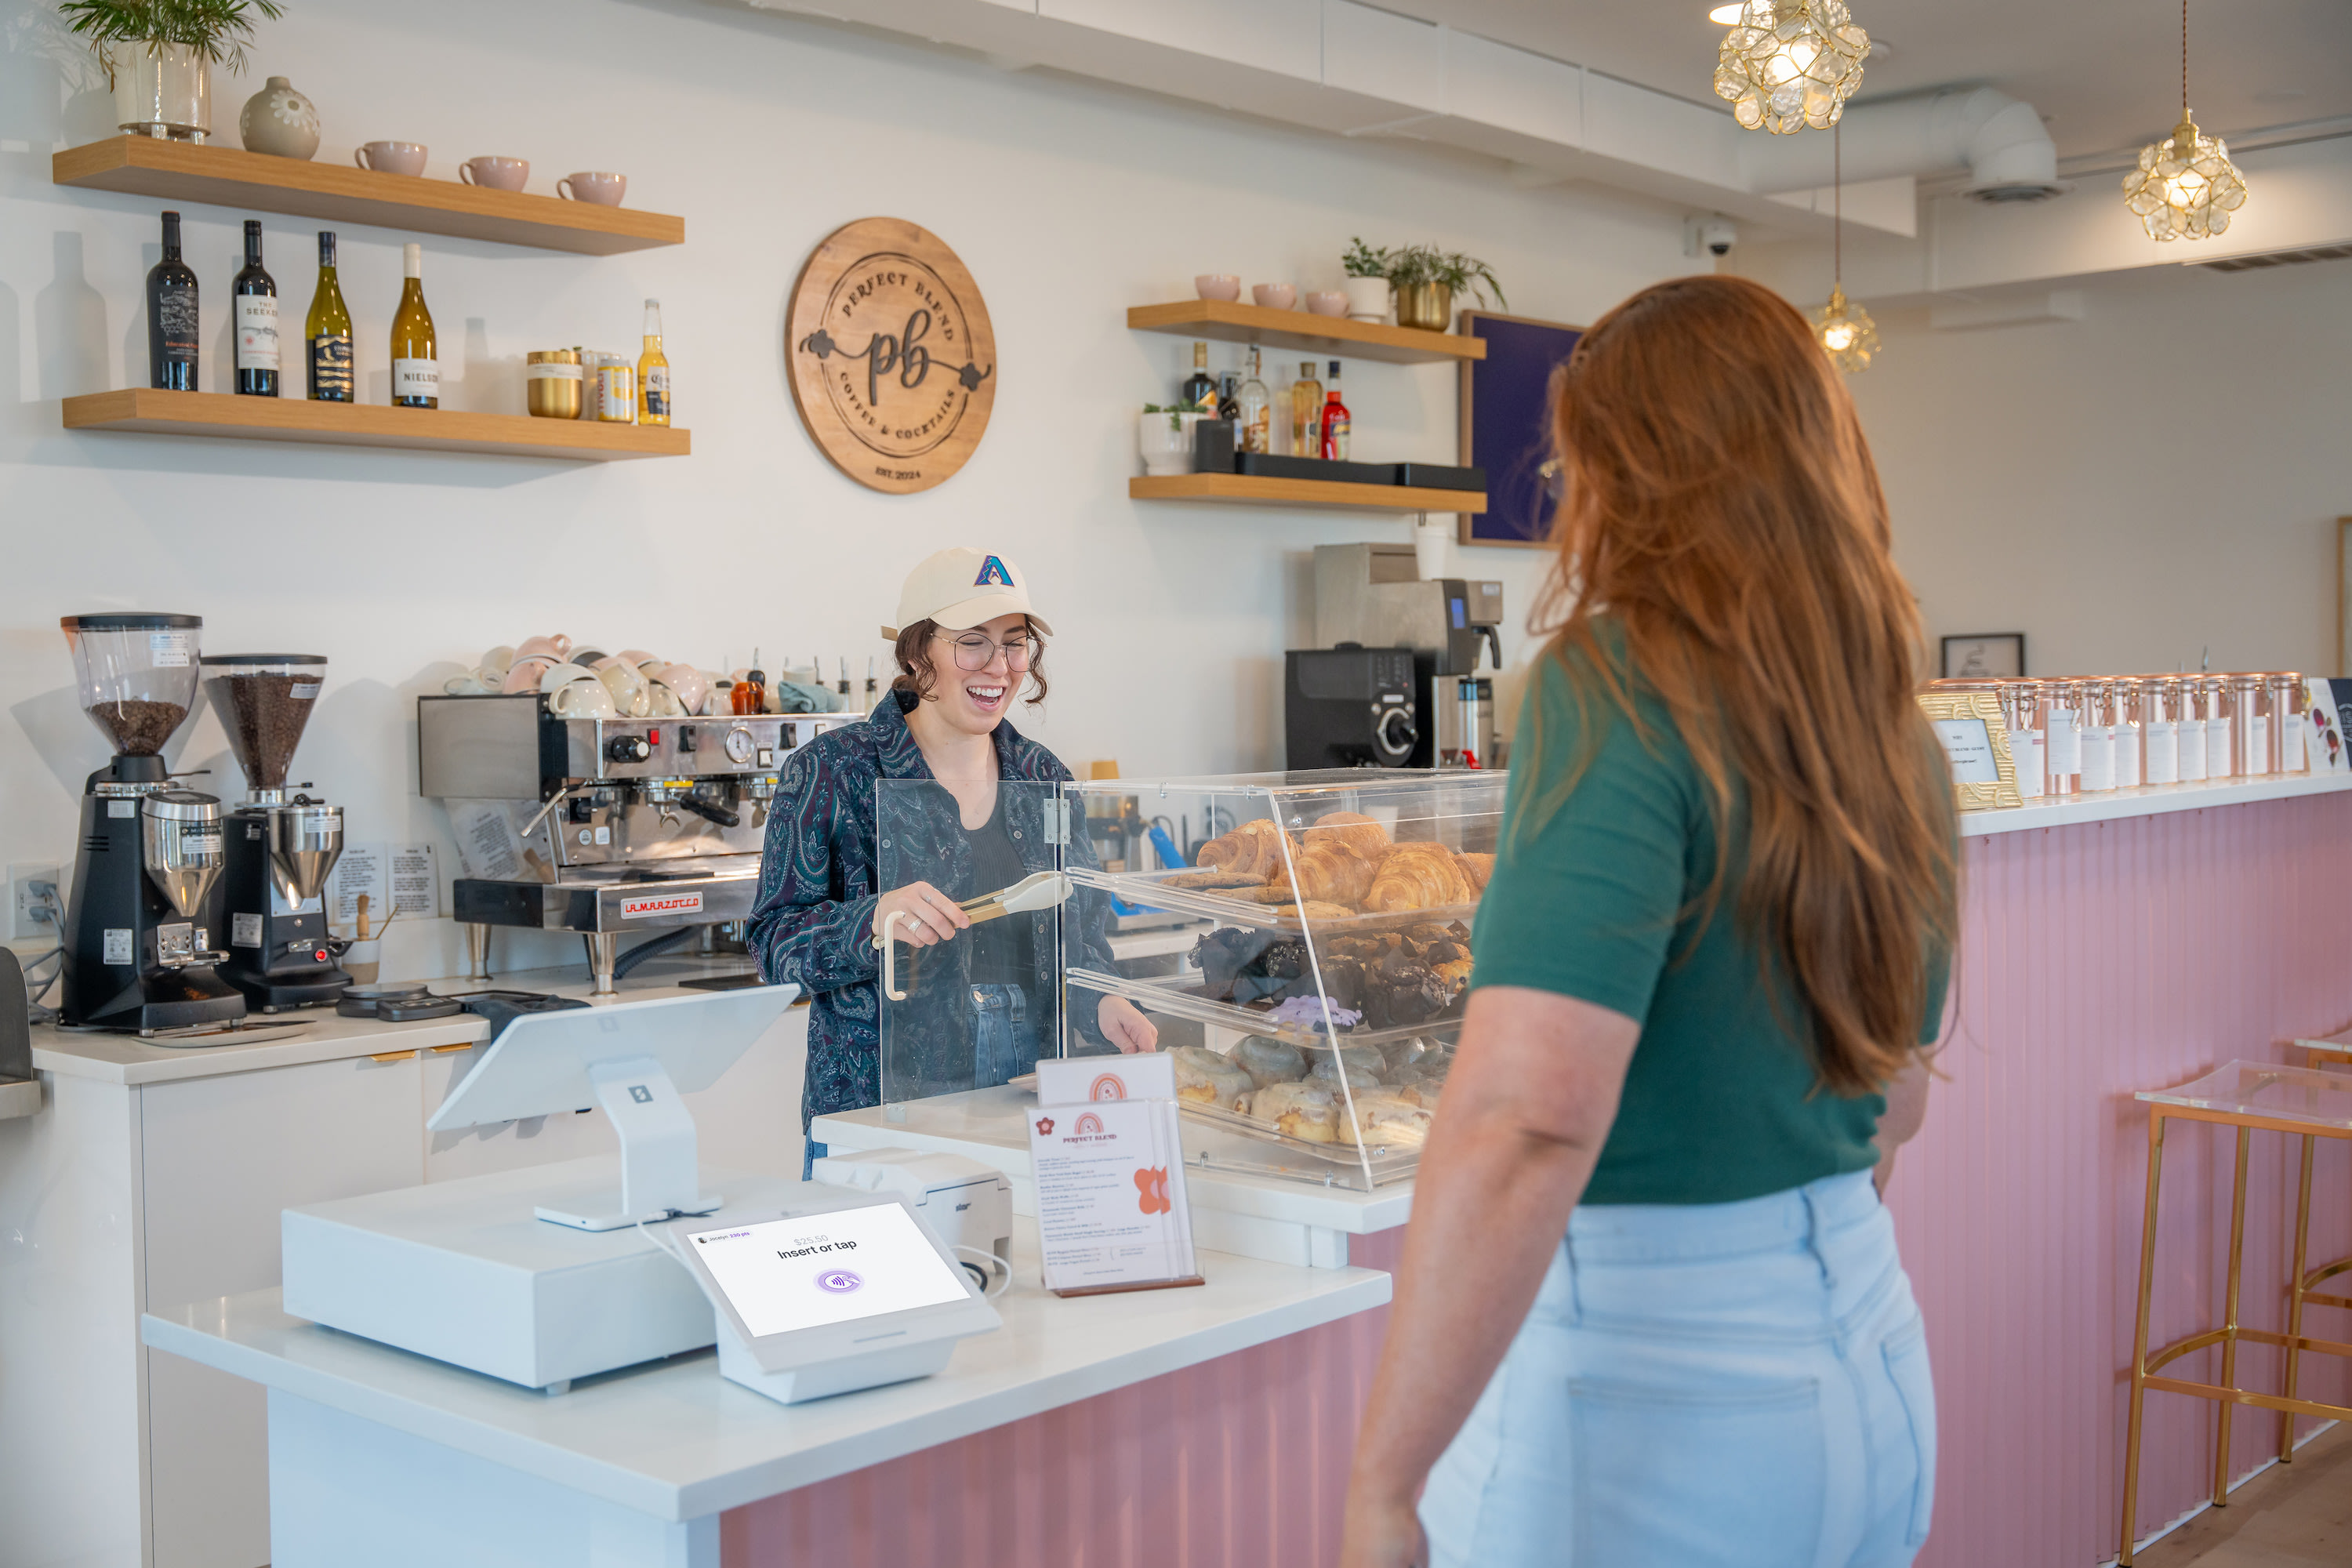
144, 905
280, 851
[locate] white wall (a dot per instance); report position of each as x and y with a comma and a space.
1068, 201
2159, 480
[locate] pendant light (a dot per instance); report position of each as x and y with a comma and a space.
1844, 330
2185, 187
1787, 65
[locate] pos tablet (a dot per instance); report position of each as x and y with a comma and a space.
824, 1301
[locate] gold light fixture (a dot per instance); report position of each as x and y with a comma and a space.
1844, 329
2185, 187
1788, 65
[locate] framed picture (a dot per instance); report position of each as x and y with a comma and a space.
1506, 425
1984, 656
2343, 595
1976, 742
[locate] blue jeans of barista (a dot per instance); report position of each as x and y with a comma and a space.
1003, 1039
1715, 1386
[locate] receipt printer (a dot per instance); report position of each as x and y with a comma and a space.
964, 1203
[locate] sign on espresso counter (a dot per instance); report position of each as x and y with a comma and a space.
893, 360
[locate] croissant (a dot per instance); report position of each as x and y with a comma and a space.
1418, 877
1331, 870
1254, 847
1478, 867
1365, 837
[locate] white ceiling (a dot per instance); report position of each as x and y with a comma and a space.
2106, 74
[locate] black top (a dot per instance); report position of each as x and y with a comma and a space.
1005, 950
131, 621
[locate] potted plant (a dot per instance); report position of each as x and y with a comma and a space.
1367, 281
1164, 435
158, 55
1426, 279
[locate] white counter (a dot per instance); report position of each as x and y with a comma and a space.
2150, 800
377, 1455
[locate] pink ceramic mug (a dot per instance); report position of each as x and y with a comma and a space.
1275, 296
689, 683
391, 157
605, 190
495, 174
553, 648
523, 674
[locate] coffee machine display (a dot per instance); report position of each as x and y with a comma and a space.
1348, 707
605, 826
145, 909
1373, 595
279, 851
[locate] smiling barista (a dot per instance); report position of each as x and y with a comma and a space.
967, 645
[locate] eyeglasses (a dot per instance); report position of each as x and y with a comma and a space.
976, 651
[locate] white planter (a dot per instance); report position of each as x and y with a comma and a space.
1368, 299
164, 89
1165, 450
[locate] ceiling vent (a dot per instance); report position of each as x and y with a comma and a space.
2278, 258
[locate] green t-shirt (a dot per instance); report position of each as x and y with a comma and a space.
1722, 1101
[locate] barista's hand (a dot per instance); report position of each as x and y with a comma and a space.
1124, 1026
930, 915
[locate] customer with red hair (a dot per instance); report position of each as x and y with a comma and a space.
1650, 1311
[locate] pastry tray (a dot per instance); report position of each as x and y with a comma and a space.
1177, 994
1386, 1162
1151, 888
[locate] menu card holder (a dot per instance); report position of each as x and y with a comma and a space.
1108, 1154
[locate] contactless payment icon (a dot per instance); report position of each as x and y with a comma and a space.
840, 1281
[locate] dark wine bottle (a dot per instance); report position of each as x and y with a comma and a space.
172, 316
255, 303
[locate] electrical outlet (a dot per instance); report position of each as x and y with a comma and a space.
24, 904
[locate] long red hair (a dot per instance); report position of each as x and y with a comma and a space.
1721, 506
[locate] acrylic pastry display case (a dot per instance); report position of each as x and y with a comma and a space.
1315, 938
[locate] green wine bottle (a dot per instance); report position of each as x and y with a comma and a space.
416, 370
329, 332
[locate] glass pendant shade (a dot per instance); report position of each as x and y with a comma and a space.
1790, 65
1845, 332
2185, 187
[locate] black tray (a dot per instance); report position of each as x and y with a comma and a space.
1439, 477
1273, 466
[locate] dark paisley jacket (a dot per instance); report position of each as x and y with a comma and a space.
812, 924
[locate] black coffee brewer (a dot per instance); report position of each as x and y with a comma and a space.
279, 851
144, 907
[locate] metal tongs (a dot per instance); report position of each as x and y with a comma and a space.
1038, 890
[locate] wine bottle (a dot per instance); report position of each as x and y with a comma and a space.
1336, 421
1199, 390
415, 369
1256, 410
256, 299
172, 316
328, 331
652, 372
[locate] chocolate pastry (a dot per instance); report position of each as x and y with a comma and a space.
1399, 991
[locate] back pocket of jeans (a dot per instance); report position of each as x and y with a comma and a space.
1914, 1384
1697, 1480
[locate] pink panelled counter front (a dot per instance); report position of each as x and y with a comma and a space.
2123, 941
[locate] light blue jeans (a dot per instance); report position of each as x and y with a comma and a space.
1716, 1384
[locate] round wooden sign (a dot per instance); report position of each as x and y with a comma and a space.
893, 361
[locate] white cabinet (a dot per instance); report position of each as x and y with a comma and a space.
222, 1156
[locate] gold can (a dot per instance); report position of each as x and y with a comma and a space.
617, 392
555, 384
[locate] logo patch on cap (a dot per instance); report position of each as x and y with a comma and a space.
991, 571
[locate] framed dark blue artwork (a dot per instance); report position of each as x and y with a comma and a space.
1506, 424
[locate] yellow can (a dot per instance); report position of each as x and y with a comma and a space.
617, 392
553, 386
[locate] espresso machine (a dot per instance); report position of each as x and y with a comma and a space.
144, 907
604, 826
1373, 597
279, 851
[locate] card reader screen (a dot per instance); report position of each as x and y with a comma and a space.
807, 1270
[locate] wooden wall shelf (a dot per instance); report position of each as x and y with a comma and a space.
339, 193
1320, 495
1303, 332
144, 410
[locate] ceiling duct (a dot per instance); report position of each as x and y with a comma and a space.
2278, 258
2000, 140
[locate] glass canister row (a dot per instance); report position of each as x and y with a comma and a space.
2093, 733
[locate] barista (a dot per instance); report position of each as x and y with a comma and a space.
968, 645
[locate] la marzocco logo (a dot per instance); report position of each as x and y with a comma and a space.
637, 908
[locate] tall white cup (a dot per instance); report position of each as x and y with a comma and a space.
1432, 549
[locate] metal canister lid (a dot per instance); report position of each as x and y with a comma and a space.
181, 805
553, 356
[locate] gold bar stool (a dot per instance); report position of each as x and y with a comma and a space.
2250, 1097
2329, 1049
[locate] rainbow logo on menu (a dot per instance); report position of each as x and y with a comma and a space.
1110, 1086
1088, 1123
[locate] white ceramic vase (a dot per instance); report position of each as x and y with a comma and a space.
162, 89
280, 121
1368, 299
1166, 442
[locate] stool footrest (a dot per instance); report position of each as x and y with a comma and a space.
2211, 1337
2221, 1395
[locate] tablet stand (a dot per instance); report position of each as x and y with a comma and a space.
658, 1148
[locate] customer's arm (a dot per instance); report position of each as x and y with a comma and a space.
1529, 1102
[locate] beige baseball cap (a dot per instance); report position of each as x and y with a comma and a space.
963, 588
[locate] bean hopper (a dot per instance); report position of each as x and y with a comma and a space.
145, 909
280, 851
